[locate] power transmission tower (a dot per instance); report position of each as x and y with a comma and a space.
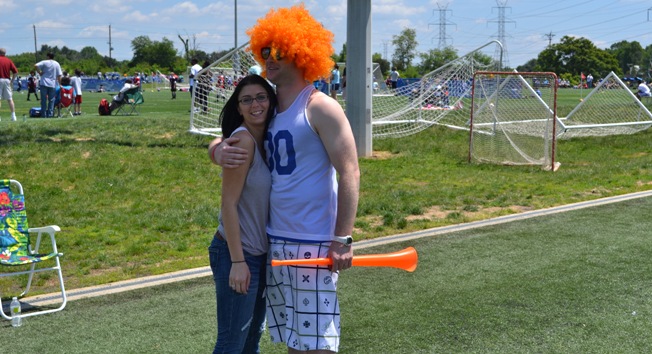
385, 44
501, 29
549, 35
442, 25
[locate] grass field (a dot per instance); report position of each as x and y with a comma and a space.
576, 282
136, 196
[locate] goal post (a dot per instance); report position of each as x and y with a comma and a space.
513, 118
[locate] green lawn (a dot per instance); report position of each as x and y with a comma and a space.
576, 282
136, 196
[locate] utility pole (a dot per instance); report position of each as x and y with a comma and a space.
236, 24
442, 25
35, 51
501, 29
549, 35
110, 45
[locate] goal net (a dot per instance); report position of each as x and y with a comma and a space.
213, 87
609, 109
513, 118
439, 97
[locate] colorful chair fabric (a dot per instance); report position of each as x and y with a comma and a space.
15, 246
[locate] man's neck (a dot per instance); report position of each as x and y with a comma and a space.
288, 92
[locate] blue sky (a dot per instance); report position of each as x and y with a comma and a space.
528, 24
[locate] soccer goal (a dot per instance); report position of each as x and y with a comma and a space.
513, 118
439, 97
213, 86
611, 108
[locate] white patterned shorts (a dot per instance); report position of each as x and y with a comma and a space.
302, 306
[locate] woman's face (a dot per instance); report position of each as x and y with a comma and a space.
253, 104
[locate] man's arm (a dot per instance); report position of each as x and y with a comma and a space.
334, 130
222, 153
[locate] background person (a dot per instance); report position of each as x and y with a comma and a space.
643, 90
76, 83
335, 81
8, 74
119, 98
194, 70
173, 84
393, 77
238, 251
50, 72
31, 85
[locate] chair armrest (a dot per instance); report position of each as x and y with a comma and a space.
48, 229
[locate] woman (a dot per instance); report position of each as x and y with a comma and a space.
238, 252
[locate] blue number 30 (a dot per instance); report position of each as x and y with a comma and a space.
282, 139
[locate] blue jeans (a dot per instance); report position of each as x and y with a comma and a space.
47, 101
240, 317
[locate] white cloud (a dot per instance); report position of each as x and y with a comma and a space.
182, 8
7, 5
137, 16
110, 7
50, 25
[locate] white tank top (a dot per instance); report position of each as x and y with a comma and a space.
303, 201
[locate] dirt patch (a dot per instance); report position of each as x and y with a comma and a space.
382, 155
165, 136
436, 212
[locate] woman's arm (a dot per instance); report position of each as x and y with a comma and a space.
233, 182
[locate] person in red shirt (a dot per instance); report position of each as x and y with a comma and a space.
8, 74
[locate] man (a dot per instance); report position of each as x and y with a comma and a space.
393, 78
51, 73
308, 144
643, 90
119, 98
335, 81
194, 70
8, 74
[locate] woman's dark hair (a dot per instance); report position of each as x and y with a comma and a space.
231, 118
65, 81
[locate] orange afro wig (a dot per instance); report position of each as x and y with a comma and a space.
298, 37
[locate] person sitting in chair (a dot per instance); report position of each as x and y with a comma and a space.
120, 97
643, 89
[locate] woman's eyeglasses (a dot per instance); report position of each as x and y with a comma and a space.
266, 51
248, 100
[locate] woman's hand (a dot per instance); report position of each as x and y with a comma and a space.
239, 278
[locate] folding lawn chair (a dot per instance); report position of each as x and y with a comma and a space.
15, 247
65, 100
129, 104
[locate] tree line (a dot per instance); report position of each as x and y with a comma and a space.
148, 56
568, 58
